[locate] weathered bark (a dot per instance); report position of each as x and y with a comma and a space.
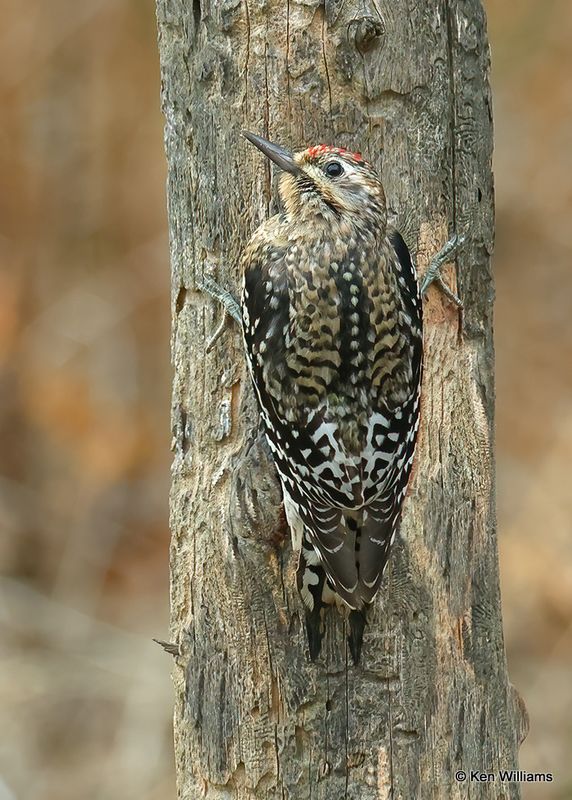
405, 82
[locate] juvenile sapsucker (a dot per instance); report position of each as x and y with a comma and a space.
332, 320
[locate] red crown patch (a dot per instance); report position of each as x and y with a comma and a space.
322, 149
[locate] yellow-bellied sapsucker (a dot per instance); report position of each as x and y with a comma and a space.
332, 320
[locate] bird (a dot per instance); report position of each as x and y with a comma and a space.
333, 330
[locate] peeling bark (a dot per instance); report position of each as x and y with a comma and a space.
405, 83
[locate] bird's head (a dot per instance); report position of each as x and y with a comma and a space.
329, 183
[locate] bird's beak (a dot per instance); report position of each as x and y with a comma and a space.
282, 158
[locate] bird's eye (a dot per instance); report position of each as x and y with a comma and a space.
334, 169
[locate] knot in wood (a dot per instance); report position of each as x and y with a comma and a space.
324, 769
366, 31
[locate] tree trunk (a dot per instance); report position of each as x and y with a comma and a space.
405, 82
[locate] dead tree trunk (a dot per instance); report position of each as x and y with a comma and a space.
405, 82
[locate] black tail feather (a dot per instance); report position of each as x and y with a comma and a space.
314, 629
315, 623
314, 617
357, 620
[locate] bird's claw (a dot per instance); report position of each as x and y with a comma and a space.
213, 339
432, 274
228, 302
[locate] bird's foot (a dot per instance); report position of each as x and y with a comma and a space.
228, 302
433, 272
224, 297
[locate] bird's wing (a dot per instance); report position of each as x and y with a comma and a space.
389, 478
407, 278
390, 445
353, 539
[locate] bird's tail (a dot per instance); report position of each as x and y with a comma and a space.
317, 594
357, 622
311, 581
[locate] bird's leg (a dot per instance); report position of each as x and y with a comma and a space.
226, 299
433, 272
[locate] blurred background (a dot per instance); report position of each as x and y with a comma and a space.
85, 696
